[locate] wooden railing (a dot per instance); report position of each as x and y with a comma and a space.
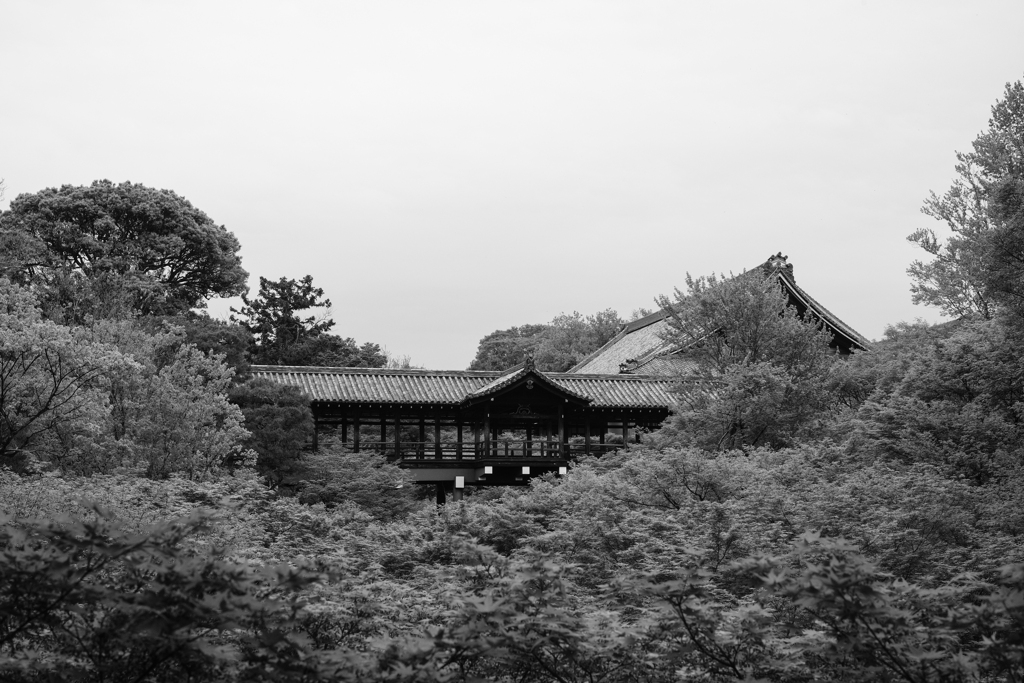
420, 449
499, 448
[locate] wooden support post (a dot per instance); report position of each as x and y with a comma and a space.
586, 435
437, 434
398, 433
440, 493
355, 433
561, 431
458, 438
344, 430
528, 449
316, 432
625, 432
487, 434
383, 431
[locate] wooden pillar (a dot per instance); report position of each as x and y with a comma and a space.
586, 435
398, 432
476, 439
437, 434
344, 430
625, 431
487, 434
383, 431
421, 437
440, 492
355, 433
458, 438
316, 432
561, 430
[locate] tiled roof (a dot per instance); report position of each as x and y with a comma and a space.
352, 385
641, 340
620, 391
516, 373
363, 385
666, 365
638, 339
502, 380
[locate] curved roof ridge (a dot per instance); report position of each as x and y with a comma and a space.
646, 320
518, 373
504, 379
819, 310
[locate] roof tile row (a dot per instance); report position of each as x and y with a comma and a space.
359, 385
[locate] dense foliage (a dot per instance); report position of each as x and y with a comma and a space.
109, 397
111, 249
802, 518
279, 421
648, 565
555, 347
636, 567
768, 375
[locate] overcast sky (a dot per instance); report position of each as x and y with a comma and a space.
446, 169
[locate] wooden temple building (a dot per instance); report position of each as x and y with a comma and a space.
459, 428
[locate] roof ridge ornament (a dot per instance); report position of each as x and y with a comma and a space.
778, 263
528, 365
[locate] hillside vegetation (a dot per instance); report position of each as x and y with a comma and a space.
811, 518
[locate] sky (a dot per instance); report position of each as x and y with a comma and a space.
447, 169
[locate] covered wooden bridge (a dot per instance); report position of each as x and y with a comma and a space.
459, 428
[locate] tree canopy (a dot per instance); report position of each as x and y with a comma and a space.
1005, 275
279, 421
502, 349
959, 277
111, 396
556, 346
768, 371
52, 381
106, 249
281, 335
